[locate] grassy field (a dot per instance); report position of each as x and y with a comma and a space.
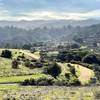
20, 78
16, 92
7, 70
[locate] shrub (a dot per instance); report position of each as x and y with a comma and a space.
69, 65
38, 64
6, 54
29, 64
45, 81
67, 75
76, 82
72, 69
25, 82
15, 64
39, 82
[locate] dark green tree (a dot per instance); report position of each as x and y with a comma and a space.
6, 54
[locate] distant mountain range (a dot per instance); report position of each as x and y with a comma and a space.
25, 32
48, 23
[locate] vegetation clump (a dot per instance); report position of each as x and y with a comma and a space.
39, 82
90, 59
6, 54
15, 64
53, 69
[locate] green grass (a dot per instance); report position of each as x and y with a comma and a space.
20, 78
7, 70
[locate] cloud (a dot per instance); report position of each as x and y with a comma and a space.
49, 9
48, 15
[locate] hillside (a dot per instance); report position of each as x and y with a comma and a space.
9, 74
84, 74
89, 36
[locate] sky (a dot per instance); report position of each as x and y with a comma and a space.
49, 9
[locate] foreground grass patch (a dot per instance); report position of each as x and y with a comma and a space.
20, 78
49, 93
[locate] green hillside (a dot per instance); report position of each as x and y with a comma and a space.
8, 74
84, 74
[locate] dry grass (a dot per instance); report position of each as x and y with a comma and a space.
52, 93
85, 73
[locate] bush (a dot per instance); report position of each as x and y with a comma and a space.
26, 82
15, 64
76, 82
67, 75
29, 64
39, 82
72, 69
6, 54
38, 64
45, 81
53, 69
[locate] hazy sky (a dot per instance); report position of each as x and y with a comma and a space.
49, 9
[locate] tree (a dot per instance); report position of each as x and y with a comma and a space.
54, 70
6, 54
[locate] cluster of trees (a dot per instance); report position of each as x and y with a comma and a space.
85, 58
78, 56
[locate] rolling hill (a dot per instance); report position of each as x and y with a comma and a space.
48, 23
